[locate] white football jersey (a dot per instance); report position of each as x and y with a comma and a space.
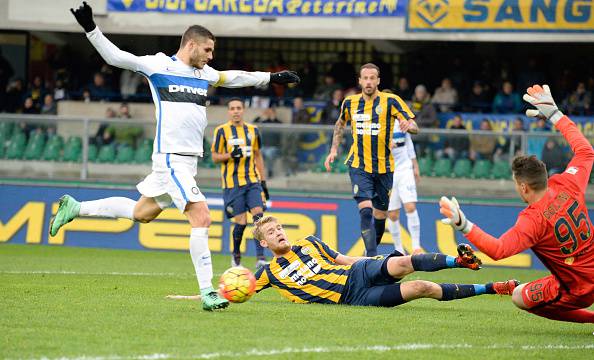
179, 92
403, 150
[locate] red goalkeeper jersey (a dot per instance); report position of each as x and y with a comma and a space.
557, 227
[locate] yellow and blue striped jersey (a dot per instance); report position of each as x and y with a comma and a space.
306, 274
373, 123
242, 171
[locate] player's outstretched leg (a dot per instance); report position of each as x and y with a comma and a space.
68, 209
417, 289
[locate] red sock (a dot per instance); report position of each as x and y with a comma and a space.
577, 316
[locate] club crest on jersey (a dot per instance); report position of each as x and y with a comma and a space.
305, 250
378, 109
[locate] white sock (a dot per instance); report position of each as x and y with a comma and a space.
113, 207
394, 227
201, 257
414, 227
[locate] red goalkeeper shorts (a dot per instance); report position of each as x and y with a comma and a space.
548, 292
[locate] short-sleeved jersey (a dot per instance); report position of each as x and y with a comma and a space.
179, 92
306, 274
237, 171
372, 124
557, 227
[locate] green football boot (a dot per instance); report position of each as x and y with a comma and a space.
212, 301
67, 211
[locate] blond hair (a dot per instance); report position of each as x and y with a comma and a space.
257, 233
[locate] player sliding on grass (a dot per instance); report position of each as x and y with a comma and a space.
311, 272
555, 225
179, 85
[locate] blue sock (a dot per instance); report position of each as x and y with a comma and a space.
237, 236
368, 231
456, 291
380, 228
480, 289
432, 262
259, 248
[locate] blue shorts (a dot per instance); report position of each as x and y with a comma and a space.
369, 284
241, 199
371, 186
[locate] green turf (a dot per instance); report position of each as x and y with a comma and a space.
60, 302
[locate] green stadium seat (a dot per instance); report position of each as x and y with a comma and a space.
481, 169
92, 155
106, 154
72, 150
5, 129
125, 154
143, 154
16, 146
443, 168
425, 166
52, 151
35, 147
463, 168
501, 170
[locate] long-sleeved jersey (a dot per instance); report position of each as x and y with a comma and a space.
403, 150
179, 92
557, 227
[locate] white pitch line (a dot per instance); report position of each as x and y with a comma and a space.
115, 273
342, 349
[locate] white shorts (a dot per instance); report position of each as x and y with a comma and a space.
172, 180
404, 189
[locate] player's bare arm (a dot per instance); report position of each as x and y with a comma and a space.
336, 140
218, 158
347, 260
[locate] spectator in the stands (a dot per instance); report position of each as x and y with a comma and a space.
457, 145
403, 89
103, 136
536, 143
309, 79
507, 101
125, 134
124, 111
60, 92
86, 95
49, 105
271, 138
425, 114
299, 114
36, 92
482, 146
478, 100
554, 157
129, 82
331, 111
445, 97
98, 89
515, 138
578, 102
29, 106
324, 91
15, 96
343, 72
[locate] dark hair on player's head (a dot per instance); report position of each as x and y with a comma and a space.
369, 66
195, 32
235, 99
531, 171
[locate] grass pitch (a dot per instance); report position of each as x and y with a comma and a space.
73, 303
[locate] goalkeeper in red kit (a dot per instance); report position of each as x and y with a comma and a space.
555, 225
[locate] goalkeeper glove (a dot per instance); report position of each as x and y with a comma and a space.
542, 100
84, 16
454, 216
237, 152
284, 77
265, 189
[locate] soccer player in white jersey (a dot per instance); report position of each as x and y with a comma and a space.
179, 85
404, 191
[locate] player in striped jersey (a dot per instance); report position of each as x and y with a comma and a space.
179, 86
310, 271
236, 146
373, 115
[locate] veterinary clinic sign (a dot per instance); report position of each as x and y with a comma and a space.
500, 15
349, 8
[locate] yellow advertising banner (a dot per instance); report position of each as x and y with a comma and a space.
500, 15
